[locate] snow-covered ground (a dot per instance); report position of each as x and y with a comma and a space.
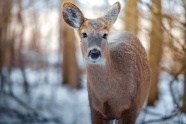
58, 104
164, 109
48, 97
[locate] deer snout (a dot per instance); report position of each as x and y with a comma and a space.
94, 54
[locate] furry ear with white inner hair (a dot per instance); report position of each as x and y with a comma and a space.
72, 15
112, 14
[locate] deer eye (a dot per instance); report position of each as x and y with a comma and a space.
104, 36
84, 35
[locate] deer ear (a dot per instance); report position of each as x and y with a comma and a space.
72, 15
112, 14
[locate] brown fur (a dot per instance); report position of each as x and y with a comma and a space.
118, 88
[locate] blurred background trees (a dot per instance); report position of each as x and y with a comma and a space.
131, 16
156, 48
39, 54
71, 71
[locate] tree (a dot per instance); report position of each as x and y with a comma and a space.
156, 50
5, 13
131, 16
71, 71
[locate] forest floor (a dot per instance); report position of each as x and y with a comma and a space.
49, 102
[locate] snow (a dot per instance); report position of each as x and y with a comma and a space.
48, 97
165, 107
57, 103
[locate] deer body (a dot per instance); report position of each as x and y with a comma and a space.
118, 73
123, 81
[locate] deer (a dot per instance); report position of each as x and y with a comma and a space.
118, 72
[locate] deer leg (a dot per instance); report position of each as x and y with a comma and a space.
96, 117
107, 122
128, 116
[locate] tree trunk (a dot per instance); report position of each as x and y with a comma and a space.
5, 13
21, 59
183, 109
131, 16
71, 71
155, 52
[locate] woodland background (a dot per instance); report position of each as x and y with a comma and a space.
42, 75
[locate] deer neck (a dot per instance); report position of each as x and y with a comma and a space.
97, 70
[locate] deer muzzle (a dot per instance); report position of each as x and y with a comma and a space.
94, 54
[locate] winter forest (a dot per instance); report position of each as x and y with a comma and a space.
42, 74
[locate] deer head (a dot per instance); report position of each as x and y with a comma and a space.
92, 32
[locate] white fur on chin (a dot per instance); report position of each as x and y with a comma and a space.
99, 61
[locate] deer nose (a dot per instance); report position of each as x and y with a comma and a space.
94, 54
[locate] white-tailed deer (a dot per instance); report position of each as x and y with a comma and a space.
118, 73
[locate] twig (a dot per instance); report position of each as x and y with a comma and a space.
161, 119
171, 83
152, 113
27, 118
21, 102
177, 41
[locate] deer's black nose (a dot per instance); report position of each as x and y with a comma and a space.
94, 54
